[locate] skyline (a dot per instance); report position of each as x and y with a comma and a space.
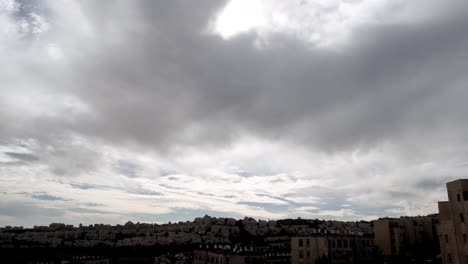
153, 111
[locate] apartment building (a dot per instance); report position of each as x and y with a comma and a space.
335, 248
453, 228
407, 235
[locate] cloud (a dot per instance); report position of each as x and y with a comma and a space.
21, 156
46, 197
126, 168
144, 102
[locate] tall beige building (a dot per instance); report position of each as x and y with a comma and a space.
453, 223
388, 236
404, 235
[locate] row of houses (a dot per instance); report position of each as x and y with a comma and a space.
444, 235
416, 236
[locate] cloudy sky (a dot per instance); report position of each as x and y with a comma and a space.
161, 111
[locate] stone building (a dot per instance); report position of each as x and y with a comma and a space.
407, 235
453, 226
308, 249
334, 248
227, 257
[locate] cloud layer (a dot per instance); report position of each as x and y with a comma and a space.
150, 111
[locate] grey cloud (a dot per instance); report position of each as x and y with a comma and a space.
401, 195
86, 186
88, 211
209, 194
144, 192
433, 183
166, 82
22, 156
151, 75
10, 163
184, 79
93, 204
47, 197
275, 197
25, 212
274, 208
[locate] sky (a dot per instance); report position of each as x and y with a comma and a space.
157, 111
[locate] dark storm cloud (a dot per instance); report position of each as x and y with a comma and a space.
165, 82
157, 78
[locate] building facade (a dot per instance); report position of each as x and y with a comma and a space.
453, 223
407, 235
308, 249
227, 257
336, 249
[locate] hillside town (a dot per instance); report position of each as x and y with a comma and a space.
215, 240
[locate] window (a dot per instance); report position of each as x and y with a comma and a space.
462, 217
458, 197
339, 243
446, 238
464, 238
301, 243
449, 258
345, 243
301, 254
308, 253
307, 242
465, 196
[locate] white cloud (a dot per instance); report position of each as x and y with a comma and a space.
83, 172
325, 24
322, 23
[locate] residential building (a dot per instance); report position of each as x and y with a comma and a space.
453, 228
340, 248
407, 235
308, 249
228, 257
